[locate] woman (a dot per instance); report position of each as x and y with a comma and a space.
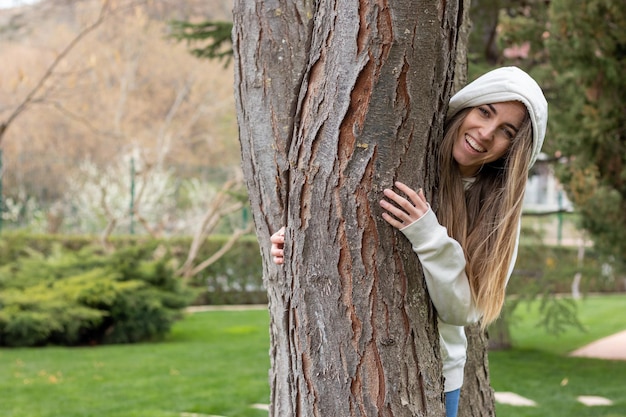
493, 134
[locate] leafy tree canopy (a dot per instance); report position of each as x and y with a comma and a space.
587, 49
578, 55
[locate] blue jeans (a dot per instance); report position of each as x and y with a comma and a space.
452, 402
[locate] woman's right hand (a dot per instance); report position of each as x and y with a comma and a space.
401, 211
278, 244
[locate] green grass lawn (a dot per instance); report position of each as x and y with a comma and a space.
213, 363
600, 316
216, 363
554, 383
539, 368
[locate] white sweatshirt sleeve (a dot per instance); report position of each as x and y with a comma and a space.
443, 261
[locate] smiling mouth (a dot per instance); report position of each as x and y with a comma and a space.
474, 145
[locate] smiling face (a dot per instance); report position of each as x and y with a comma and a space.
486, 134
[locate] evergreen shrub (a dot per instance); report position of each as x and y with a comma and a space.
236, 278
88, 297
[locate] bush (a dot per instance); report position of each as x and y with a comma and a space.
234, 278
88, 297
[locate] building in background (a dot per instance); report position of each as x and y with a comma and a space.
544, 194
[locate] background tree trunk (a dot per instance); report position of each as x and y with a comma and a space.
484, 25
336, 101
477, 396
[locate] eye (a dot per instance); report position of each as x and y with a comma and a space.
483, 111
508, 133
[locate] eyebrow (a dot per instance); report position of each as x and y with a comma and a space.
493, 109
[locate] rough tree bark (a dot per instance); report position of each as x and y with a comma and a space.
335, 101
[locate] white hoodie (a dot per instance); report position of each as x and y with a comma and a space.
442, 257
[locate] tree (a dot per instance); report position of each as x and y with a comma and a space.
578, 55
335, 101
587, 47
483, 36
215, 35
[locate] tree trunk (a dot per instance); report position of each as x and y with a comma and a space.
484, 26
336, 101
477, 396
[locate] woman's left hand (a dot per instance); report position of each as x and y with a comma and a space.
403, 212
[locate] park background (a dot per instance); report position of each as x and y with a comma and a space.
128, 148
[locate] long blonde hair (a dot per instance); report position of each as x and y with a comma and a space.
484, 219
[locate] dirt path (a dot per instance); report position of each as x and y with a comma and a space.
611, 347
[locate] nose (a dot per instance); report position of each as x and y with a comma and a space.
487, 131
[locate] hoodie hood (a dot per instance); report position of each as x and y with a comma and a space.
507, 84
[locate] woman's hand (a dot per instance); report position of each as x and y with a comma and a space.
403, 212
278, 244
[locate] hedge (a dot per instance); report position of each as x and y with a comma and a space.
240, 270
63, 289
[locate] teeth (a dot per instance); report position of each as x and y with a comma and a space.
471, 142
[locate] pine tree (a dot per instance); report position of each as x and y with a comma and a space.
214, 38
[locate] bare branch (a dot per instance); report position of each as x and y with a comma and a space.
216, 210
30, 97
125, 81
164, 139
144, 175
217, 255
80, 119
155, 232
